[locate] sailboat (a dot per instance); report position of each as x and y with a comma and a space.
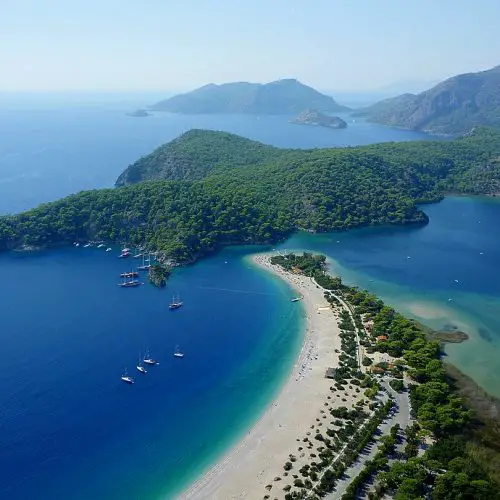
130, 274
141, 368
108, 249
100, 245
149, 360
177, 353
175, 304
144, 266
126, 378
129, 283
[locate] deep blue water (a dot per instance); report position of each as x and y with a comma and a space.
50, 150
70, 428
414, 269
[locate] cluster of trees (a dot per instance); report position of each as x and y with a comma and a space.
379, 462
449, 469
158, 274
221, 189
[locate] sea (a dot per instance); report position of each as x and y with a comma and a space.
69, 427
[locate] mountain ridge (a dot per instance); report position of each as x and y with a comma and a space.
287, 96
454, 106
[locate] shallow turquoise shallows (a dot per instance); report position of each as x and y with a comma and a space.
444, 274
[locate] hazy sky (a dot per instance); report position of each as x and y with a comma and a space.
164, 44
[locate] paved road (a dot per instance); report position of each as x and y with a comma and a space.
400, 414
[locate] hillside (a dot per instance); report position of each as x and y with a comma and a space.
266, 200
195, 153
454, 106
282, 97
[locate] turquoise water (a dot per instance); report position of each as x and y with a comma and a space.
414, 270
70, 428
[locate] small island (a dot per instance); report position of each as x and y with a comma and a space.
139, 113
313, 117
158, 275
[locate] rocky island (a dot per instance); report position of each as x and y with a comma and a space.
313, 117
139, 113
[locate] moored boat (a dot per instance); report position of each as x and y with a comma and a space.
175, 304
130, 274
126, 378
148, 360
141, 368
178, 353
130, 283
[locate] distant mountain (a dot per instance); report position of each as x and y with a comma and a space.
282, 97
454, 106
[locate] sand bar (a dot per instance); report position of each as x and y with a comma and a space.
259, 457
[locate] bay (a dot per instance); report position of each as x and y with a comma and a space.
70, 428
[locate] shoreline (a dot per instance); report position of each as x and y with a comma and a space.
257, 458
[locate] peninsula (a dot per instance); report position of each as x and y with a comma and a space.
366, 376
282, 97
313, 117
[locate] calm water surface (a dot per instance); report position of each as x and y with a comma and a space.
70, 428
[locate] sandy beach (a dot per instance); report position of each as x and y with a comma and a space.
251, 468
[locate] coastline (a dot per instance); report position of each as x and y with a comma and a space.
258, 458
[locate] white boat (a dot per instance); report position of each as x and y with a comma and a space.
144, 267
177, 353
126, 378
175, 304
100, 245
77, 244
87, 245
149, 360
141, 368
108, 249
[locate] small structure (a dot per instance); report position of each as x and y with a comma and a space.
377, 369
381, 338
296, 270
330, 373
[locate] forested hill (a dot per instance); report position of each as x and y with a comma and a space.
454, 106
194, 154
257, 194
